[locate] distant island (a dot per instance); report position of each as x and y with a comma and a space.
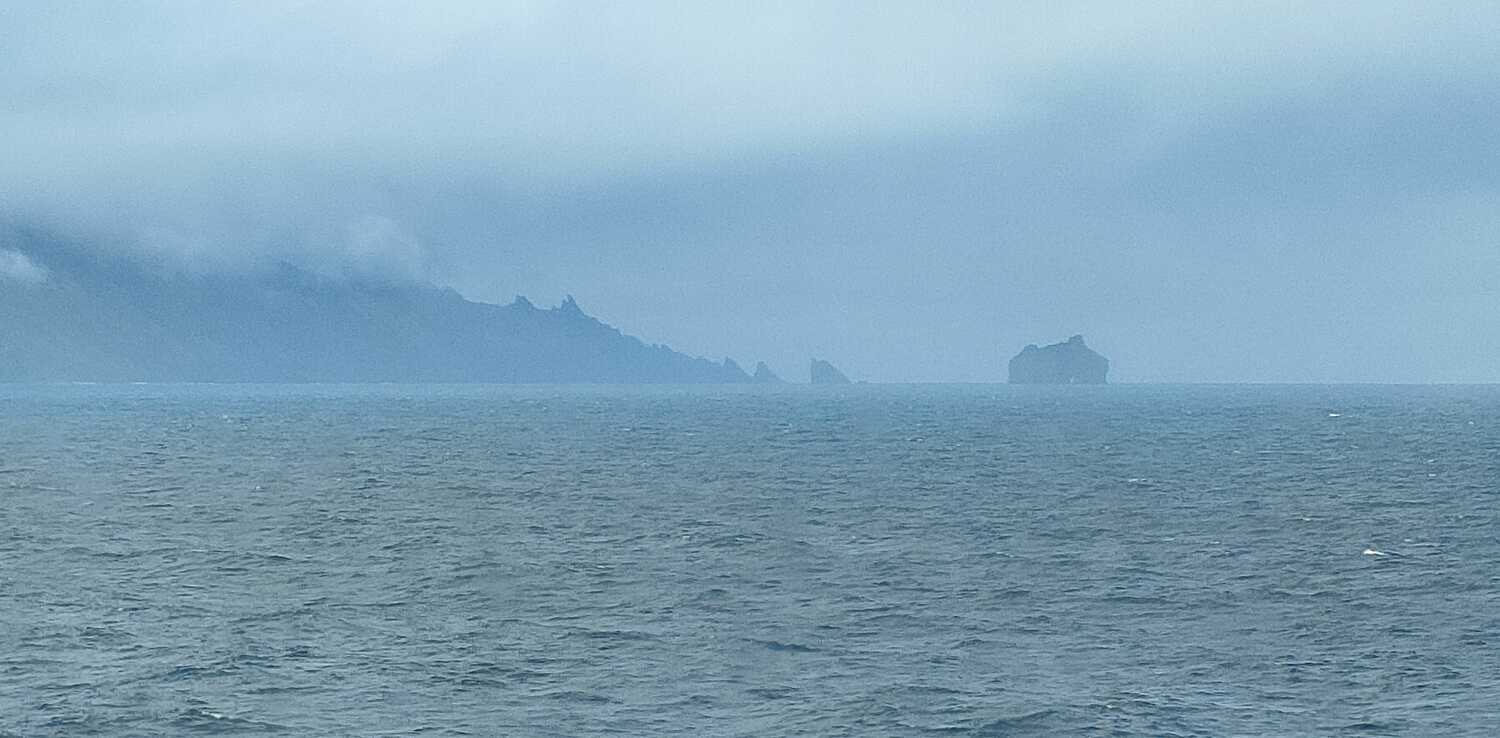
89, 315
764, 375
823, 372
1070, 362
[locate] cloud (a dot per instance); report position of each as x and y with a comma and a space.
822, 166
547, 93
378, 246
16, 266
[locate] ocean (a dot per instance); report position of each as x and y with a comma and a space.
870, 560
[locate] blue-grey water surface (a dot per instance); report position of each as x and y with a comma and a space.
859, 561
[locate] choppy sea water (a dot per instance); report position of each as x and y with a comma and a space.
860, 561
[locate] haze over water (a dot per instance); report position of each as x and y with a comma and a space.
1211, 192
746, 561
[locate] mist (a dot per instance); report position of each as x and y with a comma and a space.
1207, 193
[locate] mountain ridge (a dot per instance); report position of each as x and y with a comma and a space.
88, 315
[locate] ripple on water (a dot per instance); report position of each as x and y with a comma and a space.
884, 561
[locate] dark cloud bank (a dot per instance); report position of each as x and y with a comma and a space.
1261, 194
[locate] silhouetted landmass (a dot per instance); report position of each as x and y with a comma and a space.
764, 375
105, 317
1071, 362
824, 373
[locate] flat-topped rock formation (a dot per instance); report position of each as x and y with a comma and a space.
1070, 362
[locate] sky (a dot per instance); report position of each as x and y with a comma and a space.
1209, 192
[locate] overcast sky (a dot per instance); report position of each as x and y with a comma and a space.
1258, 191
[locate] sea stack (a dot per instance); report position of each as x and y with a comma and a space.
824, 373
1070, 362
764, 375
